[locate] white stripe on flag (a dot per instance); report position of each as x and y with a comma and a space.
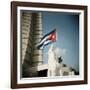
43, 40
45, 43
48, 38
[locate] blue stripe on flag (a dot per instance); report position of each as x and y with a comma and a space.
49, 34
45, 41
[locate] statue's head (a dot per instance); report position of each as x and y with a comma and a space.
51, 47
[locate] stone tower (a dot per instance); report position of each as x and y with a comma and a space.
36, 35
31, 34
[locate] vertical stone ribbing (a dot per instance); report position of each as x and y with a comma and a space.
25, 30
36, 35
31, 34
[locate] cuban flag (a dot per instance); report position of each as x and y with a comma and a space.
47, 39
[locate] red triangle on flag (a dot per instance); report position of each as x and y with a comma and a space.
52, 36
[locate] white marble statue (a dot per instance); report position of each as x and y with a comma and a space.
53, 65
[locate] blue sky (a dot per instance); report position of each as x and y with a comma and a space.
67, 28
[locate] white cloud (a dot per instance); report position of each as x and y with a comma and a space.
60, 52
